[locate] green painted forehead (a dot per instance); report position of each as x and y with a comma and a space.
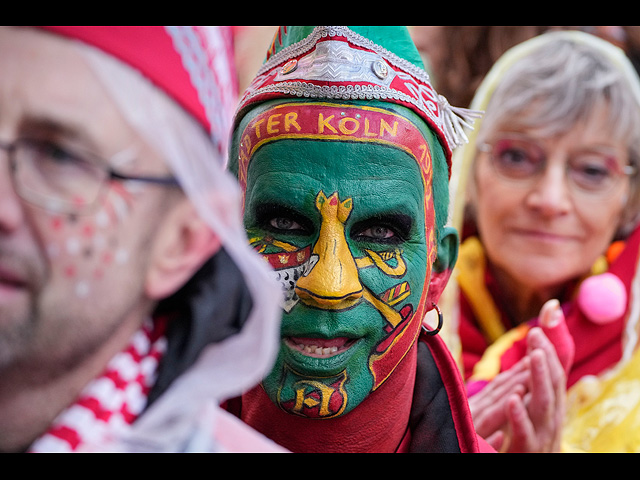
378, 123
378, 178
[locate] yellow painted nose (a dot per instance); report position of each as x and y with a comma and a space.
333, 282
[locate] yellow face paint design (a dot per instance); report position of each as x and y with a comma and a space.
333, 282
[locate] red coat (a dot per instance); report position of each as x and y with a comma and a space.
457, 407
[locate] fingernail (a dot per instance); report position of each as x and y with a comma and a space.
554, 315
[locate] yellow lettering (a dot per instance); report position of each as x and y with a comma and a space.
424, 150
343, 126
290, 120
246, 143
272, 122
242, 177
257, 125
303, 399
367, 133
325, 123
385, 126
299, 400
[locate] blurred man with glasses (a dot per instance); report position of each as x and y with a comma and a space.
123, 268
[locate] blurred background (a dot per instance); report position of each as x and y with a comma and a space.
456, 57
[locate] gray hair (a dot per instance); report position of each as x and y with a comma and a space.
561, 82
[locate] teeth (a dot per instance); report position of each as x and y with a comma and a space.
314, 349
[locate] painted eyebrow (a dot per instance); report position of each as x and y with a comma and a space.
401, 223
264, 212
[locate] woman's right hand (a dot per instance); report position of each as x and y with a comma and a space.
522, 409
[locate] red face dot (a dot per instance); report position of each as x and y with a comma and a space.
70, 271
78, 201
56, 223
88, 230
107, 257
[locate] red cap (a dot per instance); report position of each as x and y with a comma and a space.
193, 65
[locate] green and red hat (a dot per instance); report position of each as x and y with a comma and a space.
359, 64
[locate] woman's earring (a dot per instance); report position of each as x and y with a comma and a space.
440, 321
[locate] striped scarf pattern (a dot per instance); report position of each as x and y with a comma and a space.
113, 400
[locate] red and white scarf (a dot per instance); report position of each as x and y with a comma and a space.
114, 399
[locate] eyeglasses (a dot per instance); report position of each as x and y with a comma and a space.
593, 172
49, 176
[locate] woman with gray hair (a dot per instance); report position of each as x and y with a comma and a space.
548, 203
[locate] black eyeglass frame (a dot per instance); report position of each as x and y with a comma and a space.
92, 160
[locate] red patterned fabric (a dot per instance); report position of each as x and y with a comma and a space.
115, 398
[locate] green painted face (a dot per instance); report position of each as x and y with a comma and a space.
350, 233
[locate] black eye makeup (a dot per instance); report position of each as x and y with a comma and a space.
277, 218
390, 229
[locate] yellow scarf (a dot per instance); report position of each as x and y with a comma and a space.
603, 413
471, 267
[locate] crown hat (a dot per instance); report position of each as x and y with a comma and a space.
338, 63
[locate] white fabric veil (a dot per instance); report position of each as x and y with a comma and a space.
228, 368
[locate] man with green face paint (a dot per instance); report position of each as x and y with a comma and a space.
342, 148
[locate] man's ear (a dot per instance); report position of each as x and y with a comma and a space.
181, 246
444, 263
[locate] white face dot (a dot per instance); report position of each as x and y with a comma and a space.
82, 289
